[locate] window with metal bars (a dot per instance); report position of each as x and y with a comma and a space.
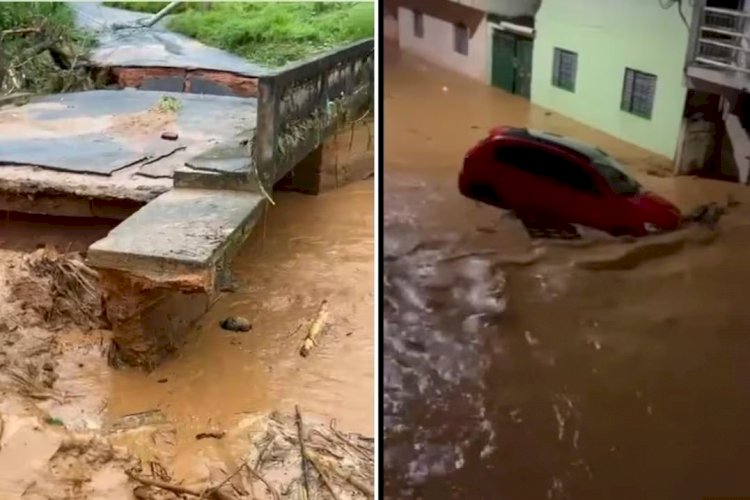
638, 91
461, 38
418, 24
564, 68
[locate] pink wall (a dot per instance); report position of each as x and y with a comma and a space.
437, 44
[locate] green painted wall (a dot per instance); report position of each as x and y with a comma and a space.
610, 35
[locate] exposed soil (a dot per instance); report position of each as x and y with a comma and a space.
83, 427
149, 123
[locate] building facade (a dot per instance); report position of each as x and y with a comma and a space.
615, 66
456, 34
445, 33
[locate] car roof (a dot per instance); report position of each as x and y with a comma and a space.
591, 152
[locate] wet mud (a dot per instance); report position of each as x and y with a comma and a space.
193, 414
524, 369
308, 249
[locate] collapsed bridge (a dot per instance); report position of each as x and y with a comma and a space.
185, 147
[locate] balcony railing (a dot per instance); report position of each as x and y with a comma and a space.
723, 38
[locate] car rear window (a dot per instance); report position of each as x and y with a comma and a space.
543, 164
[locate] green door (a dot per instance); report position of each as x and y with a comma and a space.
503, 60
511, 63
522, 84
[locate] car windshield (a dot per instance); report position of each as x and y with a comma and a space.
615, 174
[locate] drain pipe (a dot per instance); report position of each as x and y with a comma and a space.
149, 22
159, 15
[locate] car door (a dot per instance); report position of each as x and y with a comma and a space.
578, 197
515, 179
553, 184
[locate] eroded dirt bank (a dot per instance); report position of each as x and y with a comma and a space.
195, 419
520, 369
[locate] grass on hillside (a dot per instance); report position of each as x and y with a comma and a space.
269, 33
14, 15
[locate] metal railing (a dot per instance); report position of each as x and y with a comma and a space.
723, 39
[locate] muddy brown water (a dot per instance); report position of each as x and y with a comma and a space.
309, 249
531, 373
312, 248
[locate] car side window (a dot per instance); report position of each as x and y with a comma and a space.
543, 164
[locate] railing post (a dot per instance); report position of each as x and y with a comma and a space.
267, 127
696, 21
745, 40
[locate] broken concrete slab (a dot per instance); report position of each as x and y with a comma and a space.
54, 150
104, 131
180, 237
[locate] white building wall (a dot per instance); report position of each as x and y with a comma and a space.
437, 44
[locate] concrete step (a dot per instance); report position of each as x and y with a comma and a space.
162, 268
182, 238
740, 145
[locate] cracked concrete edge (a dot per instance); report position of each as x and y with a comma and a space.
35, 180
180, 273
204, 179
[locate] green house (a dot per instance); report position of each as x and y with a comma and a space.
617, 66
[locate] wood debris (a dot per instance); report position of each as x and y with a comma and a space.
316, 328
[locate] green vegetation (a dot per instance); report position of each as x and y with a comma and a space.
168, 104
268, 33
39, 48
16, 14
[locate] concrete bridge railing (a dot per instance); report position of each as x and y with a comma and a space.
302, 104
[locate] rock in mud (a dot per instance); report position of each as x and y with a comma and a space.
236, 324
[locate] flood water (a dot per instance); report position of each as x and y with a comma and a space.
531, 373
305, 250
312, 248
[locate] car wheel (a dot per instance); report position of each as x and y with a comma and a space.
546, 229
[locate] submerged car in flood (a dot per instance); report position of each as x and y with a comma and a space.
550, 179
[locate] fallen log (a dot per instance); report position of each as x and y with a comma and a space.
315, 329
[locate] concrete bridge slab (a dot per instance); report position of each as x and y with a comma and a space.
162, 268
107, 145
180, 237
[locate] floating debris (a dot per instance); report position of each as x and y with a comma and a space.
316, 327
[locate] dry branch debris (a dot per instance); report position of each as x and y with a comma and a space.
61, 288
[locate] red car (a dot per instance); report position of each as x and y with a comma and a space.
553, 180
